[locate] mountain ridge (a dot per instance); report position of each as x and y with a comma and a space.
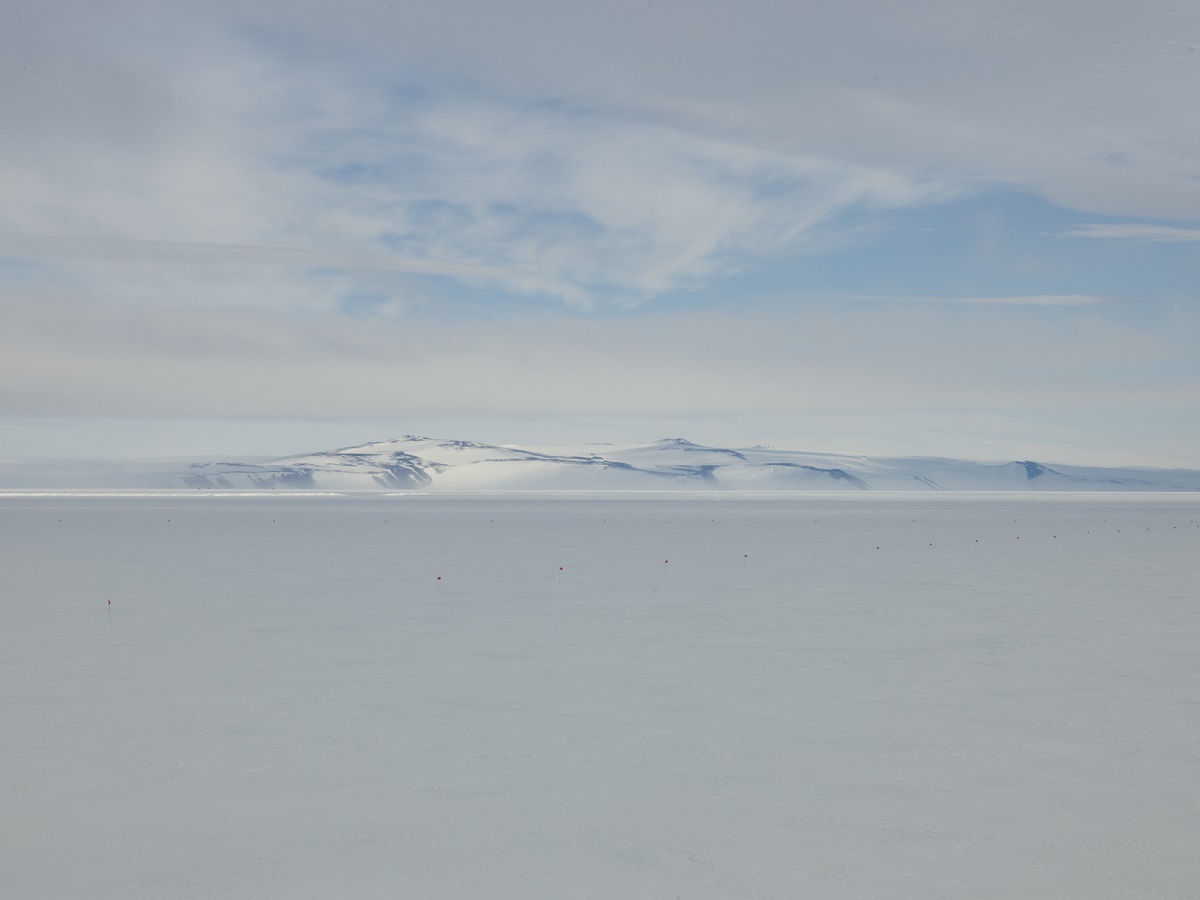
429, 464
418, 462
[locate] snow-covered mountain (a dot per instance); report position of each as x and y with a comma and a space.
423, 463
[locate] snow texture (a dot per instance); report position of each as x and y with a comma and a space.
694, 695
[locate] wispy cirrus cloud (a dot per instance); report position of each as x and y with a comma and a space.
556, 199
128, 250
593, 201
1134, 231
1022, 300
585, 203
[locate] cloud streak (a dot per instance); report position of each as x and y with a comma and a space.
1135, 231
68, 358
1028, 300
126, 250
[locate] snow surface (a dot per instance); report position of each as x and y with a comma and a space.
833, 695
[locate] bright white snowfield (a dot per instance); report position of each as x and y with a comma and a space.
827, 696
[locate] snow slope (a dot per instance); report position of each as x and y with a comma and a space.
421, 463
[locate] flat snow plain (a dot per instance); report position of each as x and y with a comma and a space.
875, 696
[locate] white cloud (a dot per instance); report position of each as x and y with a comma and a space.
666, 157
593, 201
246, 147
1088, 107
124, 251
1023, 300
1135, 231
65, 357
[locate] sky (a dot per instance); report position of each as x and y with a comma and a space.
937, 228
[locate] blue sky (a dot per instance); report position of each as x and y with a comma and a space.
264, 228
